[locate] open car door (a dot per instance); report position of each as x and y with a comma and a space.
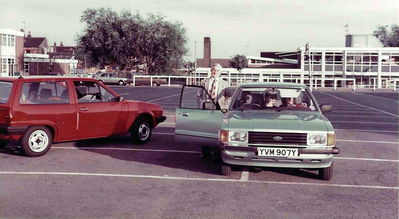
197, 121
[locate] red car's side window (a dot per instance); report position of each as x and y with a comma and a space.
88, 91
44, 93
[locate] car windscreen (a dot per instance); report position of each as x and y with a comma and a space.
5, 90
273, 98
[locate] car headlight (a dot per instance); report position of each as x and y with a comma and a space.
233, 136
317, 139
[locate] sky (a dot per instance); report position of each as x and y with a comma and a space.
235, 26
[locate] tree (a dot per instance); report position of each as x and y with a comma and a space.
127, 40
386, 37
238, 62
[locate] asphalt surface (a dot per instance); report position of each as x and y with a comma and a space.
111, 178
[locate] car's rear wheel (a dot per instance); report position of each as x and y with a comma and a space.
36, 141
225, 169
141, 131
155, 84
121, 83
326, 173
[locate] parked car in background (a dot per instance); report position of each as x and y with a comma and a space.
264, 125
145, 80
36, 111
110, 78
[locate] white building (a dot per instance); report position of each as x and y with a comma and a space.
11, 52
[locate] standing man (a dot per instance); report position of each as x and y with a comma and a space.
215, 86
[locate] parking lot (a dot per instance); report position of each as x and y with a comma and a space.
111, 178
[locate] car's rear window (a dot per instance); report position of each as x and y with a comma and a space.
5, 90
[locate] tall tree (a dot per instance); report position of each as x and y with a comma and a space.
386, 37
126, 40
238, 62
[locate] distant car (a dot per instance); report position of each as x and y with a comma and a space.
145, 80
265, 125
110, 78
36, 111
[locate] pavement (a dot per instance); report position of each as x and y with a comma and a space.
111, 178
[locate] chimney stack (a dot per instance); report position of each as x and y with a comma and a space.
207, 51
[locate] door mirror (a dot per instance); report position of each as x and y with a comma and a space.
119, 99
325, 108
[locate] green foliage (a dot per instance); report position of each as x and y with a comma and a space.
127, 40
238, 62
386, 37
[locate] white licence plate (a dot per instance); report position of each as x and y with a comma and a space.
278, 152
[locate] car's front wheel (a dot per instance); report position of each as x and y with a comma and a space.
326, 173
141, 132
36, 141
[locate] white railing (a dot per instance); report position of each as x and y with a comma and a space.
235, 80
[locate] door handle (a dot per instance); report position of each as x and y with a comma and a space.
84, 109
185, 114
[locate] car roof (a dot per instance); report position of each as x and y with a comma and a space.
273, 84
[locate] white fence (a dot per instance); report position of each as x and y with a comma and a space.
235, 80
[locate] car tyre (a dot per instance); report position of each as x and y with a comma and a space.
36, 141
155, 84
141, 132
225, 169
121, 83
326, 173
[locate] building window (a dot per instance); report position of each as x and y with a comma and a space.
26, 68
4, 39
11, 40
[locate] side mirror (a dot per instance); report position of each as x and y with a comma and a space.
325, 108
209, 105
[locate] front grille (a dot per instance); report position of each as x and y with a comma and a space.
286, 138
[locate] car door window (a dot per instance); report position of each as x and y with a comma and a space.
44, 93
88, 92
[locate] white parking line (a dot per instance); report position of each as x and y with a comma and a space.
244, 176
366, 159
126, 149
173, 95
198, 179
361, 104
362, 141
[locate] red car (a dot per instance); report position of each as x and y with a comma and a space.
36, 111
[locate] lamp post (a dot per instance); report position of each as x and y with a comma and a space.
307, 54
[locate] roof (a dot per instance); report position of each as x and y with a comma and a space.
34, 41
47, 77
274, 84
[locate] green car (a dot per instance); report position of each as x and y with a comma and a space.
259, 125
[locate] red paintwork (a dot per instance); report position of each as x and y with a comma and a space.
67, 121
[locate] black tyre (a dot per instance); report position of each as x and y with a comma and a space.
155, 84
141, 132
36, 141
121, 83
326, 173
225, 169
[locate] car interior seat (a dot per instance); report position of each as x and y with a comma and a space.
45, 94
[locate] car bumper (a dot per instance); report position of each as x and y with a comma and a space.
161, 119
12, 133
308, 158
